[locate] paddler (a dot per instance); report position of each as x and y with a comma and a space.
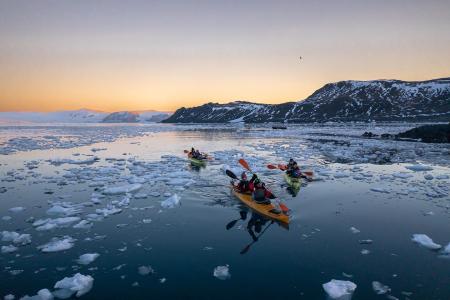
246, 186
261, 195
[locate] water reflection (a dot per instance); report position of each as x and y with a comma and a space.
257, 225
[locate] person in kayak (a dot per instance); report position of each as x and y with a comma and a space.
295, 171
260, 194
246, 186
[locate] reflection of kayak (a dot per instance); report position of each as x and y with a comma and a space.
196, 161
292, 182
263, 209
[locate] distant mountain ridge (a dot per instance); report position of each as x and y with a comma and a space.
375, 100
83, 116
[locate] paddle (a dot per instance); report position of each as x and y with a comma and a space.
246, 248
232, 223
231, 174
283, 207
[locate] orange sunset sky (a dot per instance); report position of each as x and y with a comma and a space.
136, 55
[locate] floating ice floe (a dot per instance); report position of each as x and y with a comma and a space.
9, 249
419, 168
171, 202
9, 297
16, 209
380, 288
425, 241
49, 224
354, 230
155, 194
336, 289
365, 252
145, 270
402, 175
447, 249
108, 210
16, 238
6, 218
117, 190
58, 244
87, 258
222, 272
60, 161
379, 190
83, 224
64, 209
43, 294
428, 176
78, 284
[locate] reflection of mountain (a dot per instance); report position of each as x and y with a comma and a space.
82, 116
376, 100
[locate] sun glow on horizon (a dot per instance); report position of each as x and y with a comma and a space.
162, 56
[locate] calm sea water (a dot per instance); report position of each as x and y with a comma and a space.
184, 244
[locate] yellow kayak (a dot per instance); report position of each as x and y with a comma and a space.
263, 209
292, 182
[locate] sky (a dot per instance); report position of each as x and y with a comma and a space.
134, 55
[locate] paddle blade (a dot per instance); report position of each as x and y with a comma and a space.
272, 167
231, 174
186, 151
282, 167
284, 208
245, 250
244, 164
231, 224
308, 173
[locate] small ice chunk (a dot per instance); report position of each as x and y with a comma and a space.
87, 258
379, 190
79, 284
428, 176
129, 188
425, 241
145, 270
43, 294
365, 252
6, 218
447, 249
222, 272
58, 244
354, 230
162, 280
83, 224
339, 288
171, 202
365, 242
16, 209
155, 194
402, 175
9, 297
16, 238
380, 288
146, 221
419, 168
9, 249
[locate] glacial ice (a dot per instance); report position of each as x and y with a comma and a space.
87, 258
123, 189
222, 272
425, 241
171, 202
57, 244
339, 288
78, 284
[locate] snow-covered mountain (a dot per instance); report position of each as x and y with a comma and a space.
82, 116
148, 116
376, 100
65, 116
